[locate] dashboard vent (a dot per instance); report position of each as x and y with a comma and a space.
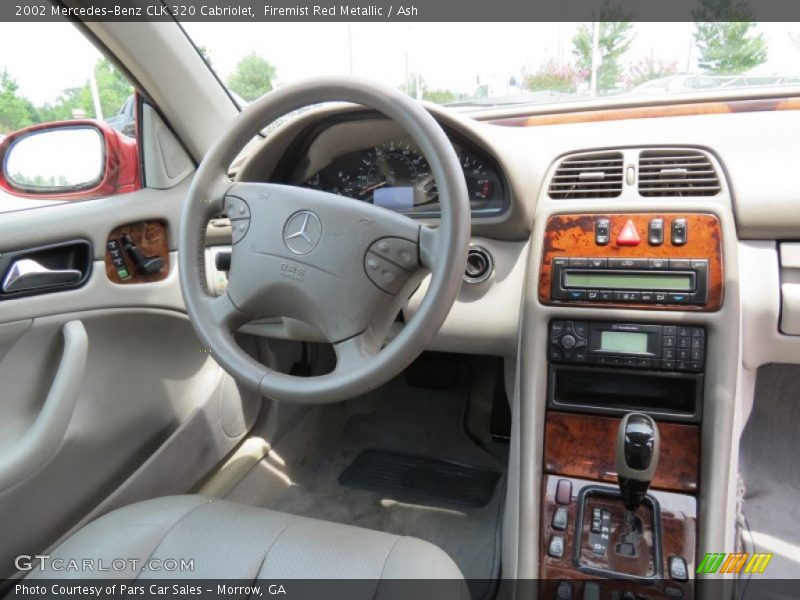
677, 172
588, 176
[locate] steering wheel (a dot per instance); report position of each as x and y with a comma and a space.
344, 266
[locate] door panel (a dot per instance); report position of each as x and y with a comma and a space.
100, 380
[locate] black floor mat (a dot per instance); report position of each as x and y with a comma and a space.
419, 478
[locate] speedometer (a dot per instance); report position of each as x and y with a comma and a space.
394, 175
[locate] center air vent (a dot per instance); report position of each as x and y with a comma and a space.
677, 172
588, 176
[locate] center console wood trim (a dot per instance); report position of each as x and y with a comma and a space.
577, 445
572, 235
678, 538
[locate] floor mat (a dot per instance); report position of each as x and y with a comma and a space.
301, 474
419, 478
768, 465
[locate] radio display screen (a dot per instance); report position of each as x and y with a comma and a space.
625, 281
623, 341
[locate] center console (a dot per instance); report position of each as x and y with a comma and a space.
624, 401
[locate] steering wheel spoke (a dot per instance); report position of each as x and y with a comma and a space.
353, 352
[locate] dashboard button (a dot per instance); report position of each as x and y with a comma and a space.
579, 262
581, 329
556, 327
556, 546
669, 341
684, 342
236, 208
602, 231
660, 296
680, 263
606, 295
592, 295
384, 274
695, 366
655, 232
643, 362
576, 294
627, 263
628, 236
560, 262
598, 263
698, 332
684, 331
555, 355
684, 354
668, 353
658, 263
631, 361
696, 355
679, 298
680, 232
670, 330
698, 343
668, 365
568, 342
580, 356
647, 297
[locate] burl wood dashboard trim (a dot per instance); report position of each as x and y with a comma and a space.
652, 112
151, 237
572, 235
678, 537
583, 446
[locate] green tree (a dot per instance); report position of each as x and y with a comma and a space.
724, 38
439, 96
614, 40
112, 87
16, 112
252, 78
551, 77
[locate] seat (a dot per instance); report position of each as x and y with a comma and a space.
232, 541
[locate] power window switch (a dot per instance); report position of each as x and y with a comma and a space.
560, 518
556, 546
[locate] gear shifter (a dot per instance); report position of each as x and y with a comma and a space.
636, 460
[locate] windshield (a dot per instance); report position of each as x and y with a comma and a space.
493, 64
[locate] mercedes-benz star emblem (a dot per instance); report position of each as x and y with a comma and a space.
302, 232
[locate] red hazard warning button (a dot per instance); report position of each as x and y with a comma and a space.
628, 236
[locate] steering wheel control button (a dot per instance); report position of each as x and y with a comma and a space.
679, 232
385, 274
239, 229
628, 236
236, 208
602, 231
402, 253
655, 232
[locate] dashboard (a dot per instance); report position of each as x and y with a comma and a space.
372, 161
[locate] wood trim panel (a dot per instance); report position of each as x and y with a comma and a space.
572, 235
678, 531
151, 237
652, 112
583, 446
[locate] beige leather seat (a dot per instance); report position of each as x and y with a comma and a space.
227, 540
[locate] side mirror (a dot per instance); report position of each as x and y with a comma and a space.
68, 160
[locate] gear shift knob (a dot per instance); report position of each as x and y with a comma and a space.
636, 457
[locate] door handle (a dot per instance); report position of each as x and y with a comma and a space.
27, 274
